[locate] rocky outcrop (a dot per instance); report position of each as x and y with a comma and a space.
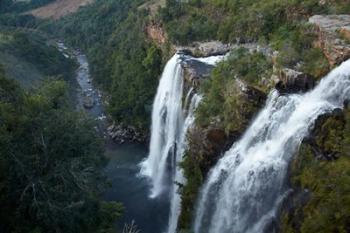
156, 33
122, 133
326, 134
195, 71
333, 36
88, 102
292, 81
206, 145
213, 48
205, 49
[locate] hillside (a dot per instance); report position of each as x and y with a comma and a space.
59, 8
29, 58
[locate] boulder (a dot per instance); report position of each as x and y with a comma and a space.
333, 36
88, 102
292, 81
122, 133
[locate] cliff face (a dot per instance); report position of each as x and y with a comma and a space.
333, 36
320, 173
156, 33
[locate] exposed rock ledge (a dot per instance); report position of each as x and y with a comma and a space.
205, 49
292, 81
334, 36
214, 48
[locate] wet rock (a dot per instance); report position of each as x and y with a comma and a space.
195, 71
206, 145
292, 81
326, 129
88, 102
123, 133
333, 36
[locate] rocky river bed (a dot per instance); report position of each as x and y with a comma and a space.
150, 215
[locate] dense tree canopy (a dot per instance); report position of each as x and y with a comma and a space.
51, 160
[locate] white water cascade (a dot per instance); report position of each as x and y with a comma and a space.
175, 207
167, 120
171, 119
243, 191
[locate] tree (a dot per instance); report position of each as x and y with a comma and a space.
51, 160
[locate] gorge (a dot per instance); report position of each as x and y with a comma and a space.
168, 116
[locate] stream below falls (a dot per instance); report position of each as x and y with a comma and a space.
150, 215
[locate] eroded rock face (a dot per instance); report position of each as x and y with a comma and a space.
292, 81
207, 144
156, 33
334, 35
195, 71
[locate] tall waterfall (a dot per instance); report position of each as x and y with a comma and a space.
175, 208
243, 191
167, 120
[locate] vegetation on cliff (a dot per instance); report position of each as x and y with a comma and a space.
227, 101
321, 169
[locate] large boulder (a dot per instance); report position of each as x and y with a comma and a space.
292, 81
334, 35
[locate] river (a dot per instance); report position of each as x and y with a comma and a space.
150, 215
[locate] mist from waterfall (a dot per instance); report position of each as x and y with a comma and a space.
243, 191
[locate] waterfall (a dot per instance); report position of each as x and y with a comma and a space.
243, 191
175, 207
167, 120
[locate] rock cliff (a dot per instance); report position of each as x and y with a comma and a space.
333, 36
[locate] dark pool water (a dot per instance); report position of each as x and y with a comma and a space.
151, 215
